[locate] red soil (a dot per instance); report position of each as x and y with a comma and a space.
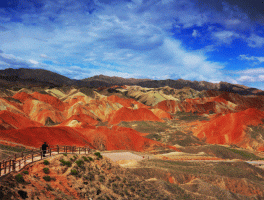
53, 101
161, 114
22, 96
41, 111
84, 119
229, 128
126, 102
261, 148
11, 120
118, 138
198, 105
167, 106
53, 136
126, 114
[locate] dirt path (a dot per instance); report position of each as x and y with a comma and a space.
124, 156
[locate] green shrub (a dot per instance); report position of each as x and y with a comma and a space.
25, 172
46, 162
85, 158
19, 178
46, 170
90, 158
67, 163
71, 159
47, 178
74, 172
79, 162
65, 154
98, 154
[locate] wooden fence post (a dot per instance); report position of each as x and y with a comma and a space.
32, 155
41, 154
14, 165
84, 150
50, 151
66, 149
72, 147
58, 149
5, 167
10, 165
79, 150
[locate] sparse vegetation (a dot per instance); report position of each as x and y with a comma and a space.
47, 178
85, 159
49, 188
79, 162
98, 154
74, 172
19, 178
25, 172
67, 163
136, 183
45, 162
90, 158
46, 170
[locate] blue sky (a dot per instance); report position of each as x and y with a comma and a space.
208, 40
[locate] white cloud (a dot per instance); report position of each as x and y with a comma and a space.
261, 77
247, 79
225, 36
251, 58
34, 62
255, 41
130, 39
195, 33
250, 75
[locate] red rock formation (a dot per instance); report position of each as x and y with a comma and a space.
126, 114
9, 120
10, 106
53, 101
41, 112
80, 121
126, 102
118, 138
22, 96
229, 128
52, 135
198, 105
161, 114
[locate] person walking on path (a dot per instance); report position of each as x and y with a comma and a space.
44, 148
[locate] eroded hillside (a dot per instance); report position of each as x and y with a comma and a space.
91, 176
169, 116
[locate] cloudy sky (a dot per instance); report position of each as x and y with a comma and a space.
211, 40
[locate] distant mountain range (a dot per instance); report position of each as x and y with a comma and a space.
43, 78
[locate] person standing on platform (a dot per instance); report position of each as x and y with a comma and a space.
44, 148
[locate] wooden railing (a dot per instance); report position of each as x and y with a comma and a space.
19, 161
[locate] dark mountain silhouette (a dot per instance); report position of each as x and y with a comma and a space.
38, 77
115, 80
